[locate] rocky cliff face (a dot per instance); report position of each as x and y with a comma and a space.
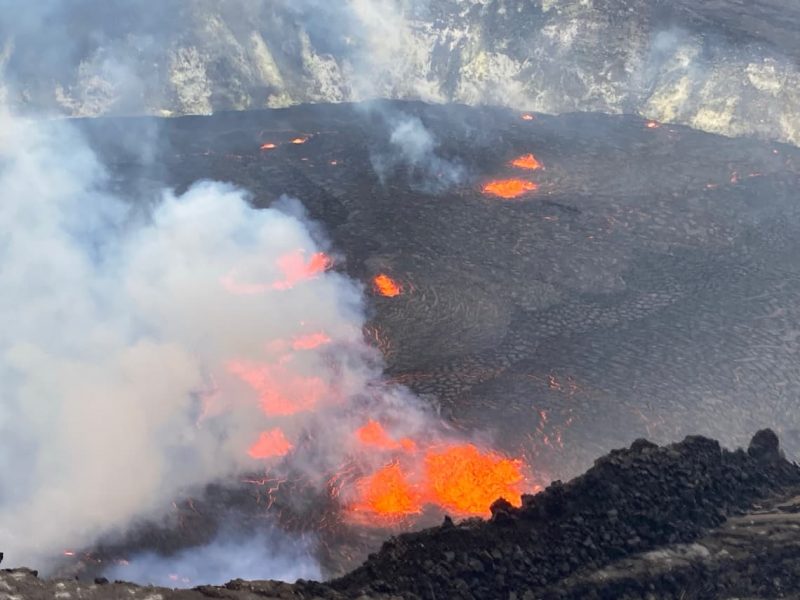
724, 66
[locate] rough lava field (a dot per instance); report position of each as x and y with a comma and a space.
644, 288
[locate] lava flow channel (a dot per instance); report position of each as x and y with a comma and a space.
509, 188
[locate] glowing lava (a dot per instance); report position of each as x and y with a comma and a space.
527, 161
269, 146
465, 480
652, 125
280, 391
527, 117
310, 341
373, 434
296, 268
460, 478
299, 140
386, 286
387, 492
270, 444
509, 188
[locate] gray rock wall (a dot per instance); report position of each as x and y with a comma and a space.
724, 66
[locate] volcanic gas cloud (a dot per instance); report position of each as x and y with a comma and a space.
141, 359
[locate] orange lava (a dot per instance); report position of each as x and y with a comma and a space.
509, 188
310, 341
652, 124
373, 434
299, 140
459, 478
528, 117
269, 146
296, 268
465, 480
527, 161
387, 492
280, 391
386, 286
270, 444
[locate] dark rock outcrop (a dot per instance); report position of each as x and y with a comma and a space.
688, 520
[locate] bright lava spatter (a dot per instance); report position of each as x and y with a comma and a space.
386, 286
509, 188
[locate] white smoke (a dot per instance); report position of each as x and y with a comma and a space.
141, 358
257, 557
413, 147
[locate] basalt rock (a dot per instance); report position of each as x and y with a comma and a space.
687, 520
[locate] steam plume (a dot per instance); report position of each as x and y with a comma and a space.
140, 358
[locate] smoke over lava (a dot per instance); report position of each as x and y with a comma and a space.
144, 357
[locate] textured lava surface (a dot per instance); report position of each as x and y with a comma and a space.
648, 287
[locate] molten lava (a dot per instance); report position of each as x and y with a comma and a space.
299, 140
373, 434
509, 188
280, 391
269, 146
460, 478
465, 480
528, 117
527, 161
310, 341
652, 125
270, 444
386, 286
296, 268
387, 492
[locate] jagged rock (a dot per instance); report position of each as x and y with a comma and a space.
765, 446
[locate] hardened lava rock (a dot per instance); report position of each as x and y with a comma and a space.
630, 502
687, 520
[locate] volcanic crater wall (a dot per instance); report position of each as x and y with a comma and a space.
724, 66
